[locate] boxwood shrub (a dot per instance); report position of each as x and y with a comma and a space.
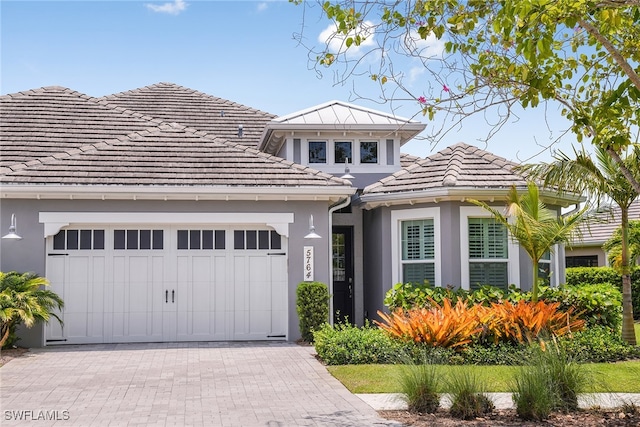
312, 306
345, 344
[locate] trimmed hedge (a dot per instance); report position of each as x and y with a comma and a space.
598, 303
312, 306
592, 275
346, 344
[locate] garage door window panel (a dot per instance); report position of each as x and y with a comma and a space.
138, 239
201, 239
79, 240
256, 239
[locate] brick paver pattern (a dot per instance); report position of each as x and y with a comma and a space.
177, 384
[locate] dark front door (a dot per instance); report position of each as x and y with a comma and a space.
342, 250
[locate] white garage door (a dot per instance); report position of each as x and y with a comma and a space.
168, 283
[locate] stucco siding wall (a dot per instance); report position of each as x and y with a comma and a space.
29, 254
377, 269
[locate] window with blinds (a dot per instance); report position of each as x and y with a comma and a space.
544, 268
488, 253
418, 251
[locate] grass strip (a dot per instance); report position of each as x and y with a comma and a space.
620, 377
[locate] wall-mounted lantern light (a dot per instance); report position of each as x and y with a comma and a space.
346, 175
312, 230
12, 235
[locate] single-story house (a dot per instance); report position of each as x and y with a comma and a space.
167, 214
586, 250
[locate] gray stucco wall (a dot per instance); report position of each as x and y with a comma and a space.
29, 254
377, 246
377, 274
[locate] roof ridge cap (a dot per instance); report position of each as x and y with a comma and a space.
194, 92
452, 173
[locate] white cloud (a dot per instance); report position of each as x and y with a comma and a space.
416, 72
262, 6
336, 42
174, 8
430, 47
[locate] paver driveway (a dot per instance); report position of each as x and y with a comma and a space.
178, 384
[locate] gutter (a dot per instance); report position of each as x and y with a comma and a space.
332, 209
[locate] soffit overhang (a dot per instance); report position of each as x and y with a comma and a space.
170, 193
490, 195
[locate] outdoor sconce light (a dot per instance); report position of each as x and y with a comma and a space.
12, 235
312, 230
346, 175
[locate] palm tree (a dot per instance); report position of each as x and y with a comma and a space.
534, 226
23, 300
613, 246
601, 179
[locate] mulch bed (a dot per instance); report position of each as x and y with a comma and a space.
11, 353
508, 417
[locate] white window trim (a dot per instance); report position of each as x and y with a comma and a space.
397, 216
513, 262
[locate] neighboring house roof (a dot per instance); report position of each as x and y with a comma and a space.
176, 104
338, 116
601, 225
455, 172
58, 141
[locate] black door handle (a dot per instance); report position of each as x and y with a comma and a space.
173, 296
166, 296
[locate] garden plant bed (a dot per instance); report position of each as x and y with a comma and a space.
12, 353
508, 417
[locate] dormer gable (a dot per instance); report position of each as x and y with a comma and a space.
334, 136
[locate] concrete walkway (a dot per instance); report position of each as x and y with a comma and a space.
394, 401
176, 384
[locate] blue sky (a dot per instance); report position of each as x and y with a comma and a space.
243, 51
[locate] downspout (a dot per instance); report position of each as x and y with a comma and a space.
332, 209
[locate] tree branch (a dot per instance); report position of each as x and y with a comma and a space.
617, 56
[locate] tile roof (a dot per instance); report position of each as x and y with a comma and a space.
215, 116
58, 136
602, 224
43, 122
460, 165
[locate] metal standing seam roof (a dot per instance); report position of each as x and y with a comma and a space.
342, 113
58, 136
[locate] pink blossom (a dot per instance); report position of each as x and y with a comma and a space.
420, 23
422, 100
445, 88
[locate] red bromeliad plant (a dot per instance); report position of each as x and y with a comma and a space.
456, 325
527, 321
441, 325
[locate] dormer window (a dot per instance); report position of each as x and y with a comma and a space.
343, 152
369, 152
317, 152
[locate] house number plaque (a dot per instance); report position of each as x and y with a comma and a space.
308, 263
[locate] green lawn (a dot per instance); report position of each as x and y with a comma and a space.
607, 377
